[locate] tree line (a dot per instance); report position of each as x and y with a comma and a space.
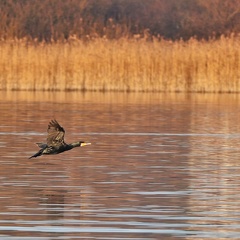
59, 20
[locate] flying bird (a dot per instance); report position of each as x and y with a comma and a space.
55, 141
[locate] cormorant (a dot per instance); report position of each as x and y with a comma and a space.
55, 141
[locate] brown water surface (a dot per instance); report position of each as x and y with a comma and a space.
161, 166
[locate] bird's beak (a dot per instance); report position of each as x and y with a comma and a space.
84, 144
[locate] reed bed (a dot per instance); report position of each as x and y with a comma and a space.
122, 65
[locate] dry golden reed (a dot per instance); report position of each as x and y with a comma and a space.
122, 65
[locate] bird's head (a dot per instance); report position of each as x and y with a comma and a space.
82, 144
79, 144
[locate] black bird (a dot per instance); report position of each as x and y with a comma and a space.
55, 141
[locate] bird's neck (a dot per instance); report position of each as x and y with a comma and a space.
75, 144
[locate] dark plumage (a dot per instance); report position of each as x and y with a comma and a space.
55, 141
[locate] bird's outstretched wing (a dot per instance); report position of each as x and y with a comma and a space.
55, 134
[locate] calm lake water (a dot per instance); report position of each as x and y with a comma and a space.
161, 166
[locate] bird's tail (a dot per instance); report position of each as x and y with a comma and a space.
39, 153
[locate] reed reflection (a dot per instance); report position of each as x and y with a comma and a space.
159, 165
214, 171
